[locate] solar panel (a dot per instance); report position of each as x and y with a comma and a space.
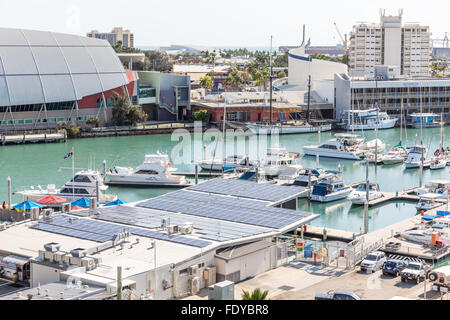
104, 231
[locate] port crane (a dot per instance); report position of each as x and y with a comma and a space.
344, 40
444, 41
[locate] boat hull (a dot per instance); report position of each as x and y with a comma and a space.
284, 130
332, 197
386, 124
312, 151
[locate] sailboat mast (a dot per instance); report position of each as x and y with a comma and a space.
401, 121
271, 78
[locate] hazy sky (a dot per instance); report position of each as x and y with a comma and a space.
218, 23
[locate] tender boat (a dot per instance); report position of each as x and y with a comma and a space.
302, 179
340, 148
83, 185
367, 120
372, 145
394, 156
228, 163
330, 189
414, 158
428, 202
155, 171
424, 236
276, 159
359, 195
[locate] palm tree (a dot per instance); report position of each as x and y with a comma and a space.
234, 78
206, 82
257, 294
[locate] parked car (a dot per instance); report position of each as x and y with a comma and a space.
394, 267
416, 270
338, 295
373, 262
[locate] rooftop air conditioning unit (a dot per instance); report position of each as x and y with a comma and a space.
52, 247
79, 252
187, 228
193, 270
48, 213
34, 214
59, 256
194, 285
88, 263
173, 229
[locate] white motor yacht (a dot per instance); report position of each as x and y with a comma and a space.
428, 201
302, 179
83, 185
155, 171
372, 145
276, 159
420, 236
228, 163
336, 148
330, 189
414, 158
359, 195
394, 156
367, 120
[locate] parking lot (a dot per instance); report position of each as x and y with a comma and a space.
373, 286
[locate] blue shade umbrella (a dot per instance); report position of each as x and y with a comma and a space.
27, 205
428, 218
118, 202
83, 203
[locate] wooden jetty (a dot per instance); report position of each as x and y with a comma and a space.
33, 138
331, 234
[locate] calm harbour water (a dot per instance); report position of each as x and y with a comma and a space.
43, 164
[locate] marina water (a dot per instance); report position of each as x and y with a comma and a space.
44, 164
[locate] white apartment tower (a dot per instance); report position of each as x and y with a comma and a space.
390, 43
117, 34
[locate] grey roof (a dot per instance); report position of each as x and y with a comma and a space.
52, 291
46, 67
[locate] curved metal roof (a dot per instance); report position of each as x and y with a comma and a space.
45, 67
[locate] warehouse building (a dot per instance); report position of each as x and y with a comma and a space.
48, 77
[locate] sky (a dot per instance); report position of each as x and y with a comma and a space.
209, 23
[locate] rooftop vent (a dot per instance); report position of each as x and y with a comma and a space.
52, 247
79, 252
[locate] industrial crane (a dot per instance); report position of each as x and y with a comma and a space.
444, 41
344, 41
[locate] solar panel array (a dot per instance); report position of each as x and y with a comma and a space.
247, 189
100, 231
203, 228
246, 211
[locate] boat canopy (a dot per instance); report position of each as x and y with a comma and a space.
118, 202
83, 203
27, 205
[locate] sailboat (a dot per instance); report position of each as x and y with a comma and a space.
287, 128
398, 153
439, 161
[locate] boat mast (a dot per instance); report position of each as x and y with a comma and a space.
271, 78
401, 120
309, 98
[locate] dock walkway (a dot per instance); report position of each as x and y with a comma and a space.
33, 138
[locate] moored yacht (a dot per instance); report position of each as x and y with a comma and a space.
276, 159
359, 195
316, 174
367, 120
330, 189
228, 163
439, 161
415, 155
155, 171
394, 156
83, 185
287, 128
336, 148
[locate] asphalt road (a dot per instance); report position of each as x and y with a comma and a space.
7, 287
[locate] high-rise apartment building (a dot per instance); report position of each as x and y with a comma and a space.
390, 43
117, 34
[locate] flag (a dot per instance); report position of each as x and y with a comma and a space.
69, 154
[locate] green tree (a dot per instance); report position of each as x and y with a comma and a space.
234, 78
94, 121
73, 131
124, 113
320, 56
261, 77
257, 294
281, 61
206, 82
202, 115
158, 61
136, 115
280, 74
118, 47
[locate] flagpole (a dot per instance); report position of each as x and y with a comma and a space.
73, 174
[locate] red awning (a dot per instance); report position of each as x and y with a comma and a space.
52, 199
74, 208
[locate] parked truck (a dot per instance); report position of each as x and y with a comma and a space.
416, 271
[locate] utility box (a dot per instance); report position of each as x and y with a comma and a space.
221, 291
209, 275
